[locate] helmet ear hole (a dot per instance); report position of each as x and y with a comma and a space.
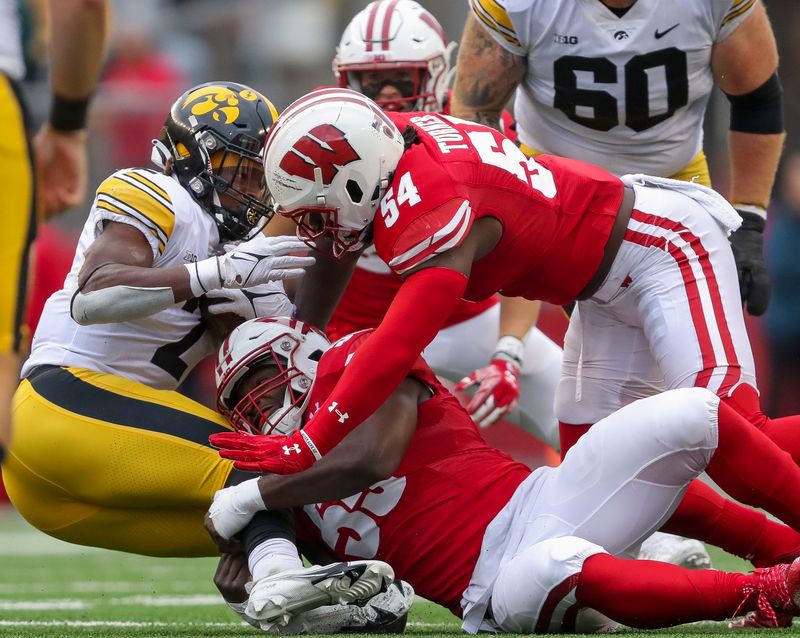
354, 191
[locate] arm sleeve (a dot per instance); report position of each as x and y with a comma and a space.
416, 315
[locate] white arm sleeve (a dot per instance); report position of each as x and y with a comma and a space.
119, 303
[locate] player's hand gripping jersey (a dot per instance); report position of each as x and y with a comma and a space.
157, 350
627, 93
422, 520
556, 214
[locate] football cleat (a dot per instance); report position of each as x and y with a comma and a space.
777, 591
668, 548
277, 598
385, 613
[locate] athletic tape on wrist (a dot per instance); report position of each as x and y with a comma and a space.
248, 497
510, 348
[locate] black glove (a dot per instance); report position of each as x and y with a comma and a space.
748, 250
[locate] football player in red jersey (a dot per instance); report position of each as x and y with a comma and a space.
505, 548
458, 211
396, 53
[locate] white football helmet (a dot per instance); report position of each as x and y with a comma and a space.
329, 160
396, 34
292, 348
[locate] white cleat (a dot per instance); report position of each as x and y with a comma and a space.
668, 548
275, 599
384, 613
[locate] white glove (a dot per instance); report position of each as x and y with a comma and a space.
250, 263
234, 507
266, 300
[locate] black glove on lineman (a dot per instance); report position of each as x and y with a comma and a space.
748, 250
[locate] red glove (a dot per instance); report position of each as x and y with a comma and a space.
498, 391
276, 454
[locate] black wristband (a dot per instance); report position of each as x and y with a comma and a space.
68, 114
2, 454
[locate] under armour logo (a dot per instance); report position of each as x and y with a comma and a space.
342, 416
289, 449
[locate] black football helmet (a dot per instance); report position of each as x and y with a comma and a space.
210, 133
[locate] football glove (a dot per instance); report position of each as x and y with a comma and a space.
250, 263
276, 454
498, 383
747, 244
265, 300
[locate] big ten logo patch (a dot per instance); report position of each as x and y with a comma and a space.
351, 526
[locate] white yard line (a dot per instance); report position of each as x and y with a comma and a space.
154, 624
190, 600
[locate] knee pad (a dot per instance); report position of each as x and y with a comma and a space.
535, 591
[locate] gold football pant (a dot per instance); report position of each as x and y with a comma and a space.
695, 171
104, 461
17, 218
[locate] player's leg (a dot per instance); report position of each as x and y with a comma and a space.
639, 459
687, 295
101, 460
462, 348
740, 530
607, 365
569, 585
17, 228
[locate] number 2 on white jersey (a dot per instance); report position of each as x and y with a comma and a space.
509, 158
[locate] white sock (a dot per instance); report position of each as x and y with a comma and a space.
272, 556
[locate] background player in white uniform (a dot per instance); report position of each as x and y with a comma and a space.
397, 54
471, 529
625, 84
60, 149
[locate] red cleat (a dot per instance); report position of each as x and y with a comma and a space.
778, 597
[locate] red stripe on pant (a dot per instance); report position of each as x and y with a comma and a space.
699, 319
556, 595
733, 373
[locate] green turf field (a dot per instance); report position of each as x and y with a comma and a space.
53, 589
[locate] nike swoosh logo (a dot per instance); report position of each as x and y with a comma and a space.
660, 34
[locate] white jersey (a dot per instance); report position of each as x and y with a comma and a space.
12, 62
626, 93
158, 350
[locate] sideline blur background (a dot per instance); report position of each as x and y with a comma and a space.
284, 48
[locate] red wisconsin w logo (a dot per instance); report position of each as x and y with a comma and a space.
324, 146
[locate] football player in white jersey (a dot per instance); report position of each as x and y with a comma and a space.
624, 84
60, 154
107, 453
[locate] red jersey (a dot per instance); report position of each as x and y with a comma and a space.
373, 285
370, 292
428, 520
556, 213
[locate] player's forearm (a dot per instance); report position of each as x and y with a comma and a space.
77, 41
486, 76
386, 357
319, 291
518, 316
371, 453
110, 275
754, 161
